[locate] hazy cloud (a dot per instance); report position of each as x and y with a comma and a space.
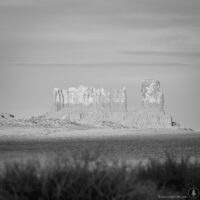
150, 53
93, 31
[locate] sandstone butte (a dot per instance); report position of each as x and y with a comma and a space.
90, 105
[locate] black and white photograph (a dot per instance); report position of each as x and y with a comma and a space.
99, 99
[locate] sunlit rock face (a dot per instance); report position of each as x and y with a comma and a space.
88, 96
152, 114
90, 103
152, 96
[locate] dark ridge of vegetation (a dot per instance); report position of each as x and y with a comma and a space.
89, 177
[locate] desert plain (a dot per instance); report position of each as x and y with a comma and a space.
25, 143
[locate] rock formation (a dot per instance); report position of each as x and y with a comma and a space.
152, 96
90, 105
152, 114
88, 102
6, 116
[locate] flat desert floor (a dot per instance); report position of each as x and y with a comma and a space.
29, 143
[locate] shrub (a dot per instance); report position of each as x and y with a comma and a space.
87, 176
177, 175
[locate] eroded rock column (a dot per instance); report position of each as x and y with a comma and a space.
152, 114
152, 96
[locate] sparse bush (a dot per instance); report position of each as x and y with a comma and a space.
87, 176
177, 175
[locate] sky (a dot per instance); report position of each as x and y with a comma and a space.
101, 43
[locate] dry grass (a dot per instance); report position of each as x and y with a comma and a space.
87, 176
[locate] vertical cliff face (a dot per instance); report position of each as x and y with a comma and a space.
152, 96
152, 114
84, 102
88, 96
90, 104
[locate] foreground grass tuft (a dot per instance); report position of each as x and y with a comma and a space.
88, 176
172, 174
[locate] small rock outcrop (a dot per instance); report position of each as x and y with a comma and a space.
152, 114
6, 116
7, 119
